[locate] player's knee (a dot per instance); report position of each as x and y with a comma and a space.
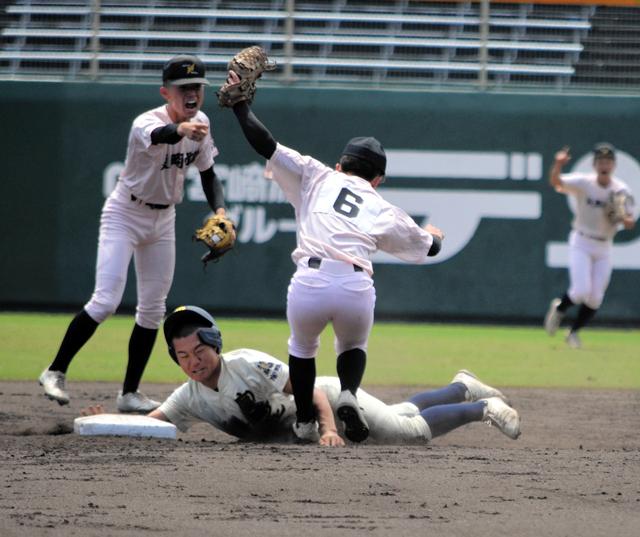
101, 311
594, 302
580, 296
303, 349
150, 318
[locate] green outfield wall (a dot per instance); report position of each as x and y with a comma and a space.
474, 165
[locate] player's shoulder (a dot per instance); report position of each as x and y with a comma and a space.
248, 363
619, 185
201, 117
249, 356
155, 115
578, 176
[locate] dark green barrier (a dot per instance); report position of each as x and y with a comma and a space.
476, 165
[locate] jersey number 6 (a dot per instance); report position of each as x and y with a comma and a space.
347, 207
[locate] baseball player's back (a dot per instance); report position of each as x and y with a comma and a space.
340, 220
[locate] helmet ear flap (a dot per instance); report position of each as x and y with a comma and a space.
211, 337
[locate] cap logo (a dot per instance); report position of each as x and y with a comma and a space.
191, 68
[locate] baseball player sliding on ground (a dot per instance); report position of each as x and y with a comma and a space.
248, 394
340, 221
591, 239
138, 220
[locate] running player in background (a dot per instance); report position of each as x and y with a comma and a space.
138, 220
591, 239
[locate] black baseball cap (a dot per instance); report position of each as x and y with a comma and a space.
604, 150
369, 150
184, 69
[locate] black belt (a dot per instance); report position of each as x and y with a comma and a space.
592, 237
315, 262
151, 205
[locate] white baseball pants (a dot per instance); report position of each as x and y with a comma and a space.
388, 424
334, 293
589, 269
129, 229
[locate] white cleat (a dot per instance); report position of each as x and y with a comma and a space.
476, 389
553, 318
350, 413
307, 433
55, 386
571, 337
136, 403
503, 417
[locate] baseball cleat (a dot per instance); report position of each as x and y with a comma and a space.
55, 386
553, 318
571, 337
307, 433
350, 413
503, 417
136, 402
476, 389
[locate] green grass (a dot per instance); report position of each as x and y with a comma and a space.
399, 354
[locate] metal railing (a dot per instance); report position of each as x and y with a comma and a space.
318, 43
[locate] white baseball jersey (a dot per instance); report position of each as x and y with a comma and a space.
247, 371
156, 173
592, 197
153, 174
245, 374
342, 217
591, 241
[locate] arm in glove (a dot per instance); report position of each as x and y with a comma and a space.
249, 66
218, 234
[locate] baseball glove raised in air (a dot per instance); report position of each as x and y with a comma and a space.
618, 206
249, 66
218, 235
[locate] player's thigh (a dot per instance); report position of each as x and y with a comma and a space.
354, 313
392, 424
580, 270
309, 310
602, 269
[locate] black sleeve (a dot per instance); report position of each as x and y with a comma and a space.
435, 246
255, 132
166, 135
212, 189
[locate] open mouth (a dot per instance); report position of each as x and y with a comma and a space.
191, 105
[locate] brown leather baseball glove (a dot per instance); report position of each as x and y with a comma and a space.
218, 235
618, 206
249, 66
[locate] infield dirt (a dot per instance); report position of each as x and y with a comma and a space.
574, 471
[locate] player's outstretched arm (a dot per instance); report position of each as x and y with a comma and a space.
438, 236
255, 132
212, 187
326, 421
561, 158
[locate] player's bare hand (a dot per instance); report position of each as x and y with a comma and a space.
331, 438
233, 78
628, 222
194, 131
434, 231
562, 157
93, 411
